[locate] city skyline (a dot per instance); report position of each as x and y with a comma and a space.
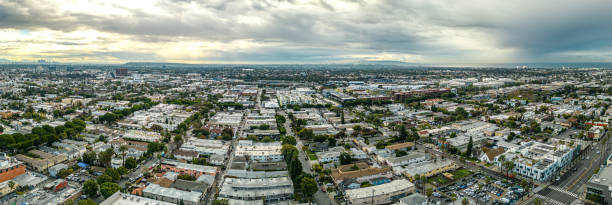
424, 32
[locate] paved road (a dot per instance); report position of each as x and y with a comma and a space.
320, 197
139, 170
473, 167
571, 184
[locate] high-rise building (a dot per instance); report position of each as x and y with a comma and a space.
121, 71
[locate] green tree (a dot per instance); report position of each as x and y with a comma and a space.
308, 187
109, 188
266, 139
345, 158
288, 150
295, 166
470, 146
106, 157
305, 134
90, 187
113, 173
501, 159
227, 134
123, 149
331, 141
264, 127
104, 178
89, 157
403, 134
122, 171
537, 201
186, 177
157, 128
288, 140
87, 202
429, 192
508, 165
465, 201
63, 173
221, 202
178, 139
11, 184
131, 163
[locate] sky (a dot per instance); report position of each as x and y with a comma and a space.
306, 31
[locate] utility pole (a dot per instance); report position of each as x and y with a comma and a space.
372, 197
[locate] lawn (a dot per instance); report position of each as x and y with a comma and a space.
460, 173
311, 155
438, 180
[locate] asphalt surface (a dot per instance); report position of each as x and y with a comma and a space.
320, 197
570, 186
472, 167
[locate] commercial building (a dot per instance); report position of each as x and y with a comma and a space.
269, 190
190, 169
599, 187
331, 155
186, 155
119, 198
10, 168
413, 199
405, 95
54, 170
206, 146
172, 195
363, 173
541, 161
142, 135
56, 185
428, 169
121, 72
411, 158
39, 165
224, 119
381, 194
400, 146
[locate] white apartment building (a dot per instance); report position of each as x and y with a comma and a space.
541, 161
263, 152
269, 190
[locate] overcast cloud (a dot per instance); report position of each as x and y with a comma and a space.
306, 31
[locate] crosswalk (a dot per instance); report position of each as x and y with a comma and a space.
549, 200
559, 189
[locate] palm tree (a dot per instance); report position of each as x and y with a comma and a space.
501, 161
537, 201
423, 181
465, 201
123, 149
11, 184
417, 179
509, 165
429, 192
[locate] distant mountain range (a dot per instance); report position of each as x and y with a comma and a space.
362, 64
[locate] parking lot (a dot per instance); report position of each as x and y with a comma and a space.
477, 188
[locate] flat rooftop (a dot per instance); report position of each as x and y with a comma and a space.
604, 177
119, 198
393, 186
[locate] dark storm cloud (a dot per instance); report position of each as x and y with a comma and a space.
331, 30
